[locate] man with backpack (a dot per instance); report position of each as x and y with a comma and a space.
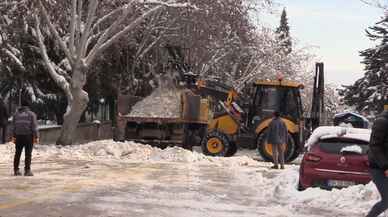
25, 134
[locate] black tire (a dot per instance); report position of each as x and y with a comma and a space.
187, 138
300, 187
224, 151
290, 148
294, 155
232, 150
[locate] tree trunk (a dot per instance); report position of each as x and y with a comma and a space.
71, 118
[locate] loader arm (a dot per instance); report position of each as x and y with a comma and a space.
317, 105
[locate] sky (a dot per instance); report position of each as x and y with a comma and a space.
336, 28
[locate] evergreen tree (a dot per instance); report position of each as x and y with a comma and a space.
368, 94
283, 32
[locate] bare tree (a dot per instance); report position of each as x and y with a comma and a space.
81, 53
267, 60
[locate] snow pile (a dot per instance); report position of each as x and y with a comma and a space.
281, 187
107, 150
177, 154
352, 149
335, 131
163, 102
6, 152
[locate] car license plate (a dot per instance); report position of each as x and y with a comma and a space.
340, 183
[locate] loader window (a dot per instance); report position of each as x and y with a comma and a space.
269, 99
290, 104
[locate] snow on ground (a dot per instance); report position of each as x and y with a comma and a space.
277, 187
163, 102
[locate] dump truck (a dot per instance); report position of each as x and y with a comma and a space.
182, 130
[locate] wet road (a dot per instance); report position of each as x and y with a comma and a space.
80, 188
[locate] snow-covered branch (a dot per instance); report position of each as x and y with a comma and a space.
15, 59
72, 27
59, 80
55, 32
376, 3
118, 35
86, 31
111, 14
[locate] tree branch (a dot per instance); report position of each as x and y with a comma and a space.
72, 26
112, 13
56, 34
59, 80
14, 58
79, 23
118, 35
91, 12
105, 35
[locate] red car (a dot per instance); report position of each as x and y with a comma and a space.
336, 158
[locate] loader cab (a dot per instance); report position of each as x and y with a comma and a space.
269, 96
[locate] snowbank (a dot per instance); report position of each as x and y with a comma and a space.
107, 150
163, 102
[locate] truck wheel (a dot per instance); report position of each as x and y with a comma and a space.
216, 144
294, 155
232, 150
265, 149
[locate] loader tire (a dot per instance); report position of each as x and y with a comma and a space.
294, 155
232, 150
216, 144
265, 150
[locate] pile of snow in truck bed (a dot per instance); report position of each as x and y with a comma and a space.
163, 103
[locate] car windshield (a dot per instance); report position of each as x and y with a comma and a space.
336, 146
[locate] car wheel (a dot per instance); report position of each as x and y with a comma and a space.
300, 187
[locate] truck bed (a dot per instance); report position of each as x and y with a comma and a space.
159, 120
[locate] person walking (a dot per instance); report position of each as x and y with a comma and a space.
3, 121
378, 162
25, 134
277, 137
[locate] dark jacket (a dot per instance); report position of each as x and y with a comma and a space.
378, 145
3, 114
25, 123
277, 132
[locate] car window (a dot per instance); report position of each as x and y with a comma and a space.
334, 146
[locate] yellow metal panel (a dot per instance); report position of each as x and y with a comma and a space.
204, 111
385, 107
224, 124
284, 83
291, 126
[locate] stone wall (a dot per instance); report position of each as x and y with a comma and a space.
86, 132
